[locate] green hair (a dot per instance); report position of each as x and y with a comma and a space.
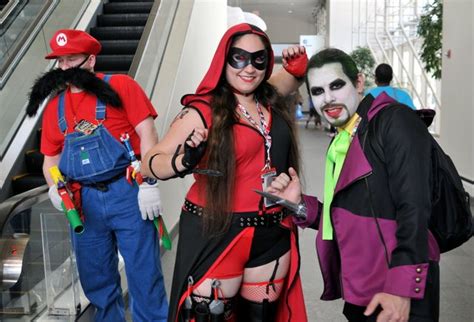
333, 55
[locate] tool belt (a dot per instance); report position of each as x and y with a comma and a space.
103, 185
243, 219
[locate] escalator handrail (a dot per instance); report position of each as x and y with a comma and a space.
21, 202
7, 10
21, 45
144, 38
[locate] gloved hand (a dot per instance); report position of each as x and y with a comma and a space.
295, 61
192, 155
149, 200
55, 197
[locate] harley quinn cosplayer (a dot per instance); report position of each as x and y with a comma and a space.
238, 256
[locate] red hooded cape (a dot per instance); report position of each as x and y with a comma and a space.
217, 67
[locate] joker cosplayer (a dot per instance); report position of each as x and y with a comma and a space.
374, 246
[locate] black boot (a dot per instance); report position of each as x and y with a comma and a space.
249, 311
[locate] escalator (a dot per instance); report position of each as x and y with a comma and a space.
119, 29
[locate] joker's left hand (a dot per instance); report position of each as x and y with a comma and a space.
295, 60
149, 200
394, 308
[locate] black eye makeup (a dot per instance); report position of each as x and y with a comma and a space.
338, 83
335, 85
239, 58
316, 91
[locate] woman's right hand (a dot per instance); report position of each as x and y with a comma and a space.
287, 187
194, 147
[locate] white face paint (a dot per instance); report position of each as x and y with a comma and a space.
333, 94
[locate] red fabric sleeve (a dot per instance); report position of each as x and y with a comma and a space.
52, 139
136, 104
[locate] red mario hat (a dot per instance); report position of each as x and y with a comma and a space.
71, 42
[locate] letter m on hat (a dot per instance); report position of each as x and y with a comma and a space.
61, 39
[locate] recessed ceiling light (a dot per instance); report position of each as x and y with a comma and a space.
290, 11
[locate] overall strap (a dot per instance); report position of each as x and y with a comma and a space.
100, 107
61, 119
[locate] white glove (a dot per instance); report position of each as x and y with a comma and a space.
149, 200
55, 197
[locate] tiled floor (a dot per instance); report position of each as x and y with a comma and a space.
457, 266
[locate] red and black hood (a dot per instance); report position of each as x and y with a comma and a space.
217, 67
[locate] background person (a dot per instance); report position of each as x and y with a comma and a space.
383, 77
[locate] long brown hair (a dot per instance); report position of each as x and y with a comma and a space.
221, 154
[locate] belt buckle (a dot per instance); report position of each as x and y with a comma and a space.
102, 187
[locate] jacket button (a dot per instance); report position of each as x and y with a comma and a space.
418, 279
417, 290
418, 269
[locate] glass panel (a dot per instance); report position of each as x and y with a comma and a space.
21, 286
61, 279
37, 268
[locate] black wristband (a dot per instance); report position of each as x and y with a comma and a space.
180, 174
150, 165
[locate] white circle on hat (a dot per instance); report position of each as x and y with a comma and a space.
61, 39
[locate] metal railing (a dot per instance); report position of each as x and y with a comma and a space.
19, 34
390, 28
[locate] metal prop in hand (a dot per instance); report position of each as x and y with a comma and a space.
298, 209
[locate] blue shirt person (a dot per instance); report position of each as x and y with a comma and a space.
383, 77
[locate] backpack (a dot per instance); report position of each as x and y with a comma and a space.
451, 221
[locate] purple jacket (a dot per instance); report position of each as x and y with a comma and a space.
380, 209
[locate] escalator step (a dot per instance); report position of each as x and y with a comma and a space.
27, 181
132, 19
114, 33
113, 62
119, 47
127, 7
34, 161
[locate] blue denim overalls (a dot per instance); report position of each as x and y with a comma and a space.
112, 221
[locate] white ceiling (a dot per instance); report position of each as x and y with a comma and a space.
285, 20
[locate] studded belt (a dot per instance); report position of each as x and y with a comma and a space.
243, 219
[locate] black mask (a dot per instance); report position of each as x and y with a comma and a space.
239, 58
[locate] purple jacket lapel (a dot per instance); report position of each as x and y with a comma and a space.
379, 103
356, 164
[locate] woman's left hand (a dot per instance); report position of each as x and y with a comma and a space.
295, 60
